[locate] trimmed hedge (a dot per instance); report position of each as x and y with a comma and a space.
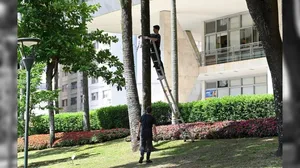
211, 110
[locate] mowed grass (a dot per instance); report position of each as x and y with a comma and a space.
225, 153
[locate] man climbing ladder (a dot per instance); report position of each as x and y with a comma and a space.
155, 37
155, 55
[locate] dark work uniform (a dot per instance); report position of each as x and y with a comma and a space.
153, 55
147, 122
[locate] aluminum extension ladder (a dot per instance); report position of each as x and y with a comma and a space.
171, 101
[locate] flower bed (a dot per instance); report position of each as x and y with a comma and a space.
37, 142
220, 130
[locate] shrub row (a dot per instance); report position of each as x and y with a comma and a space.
222, 130
38, 142
200, 130
210, 110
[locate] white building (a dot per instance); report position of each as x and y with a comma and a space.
219, 52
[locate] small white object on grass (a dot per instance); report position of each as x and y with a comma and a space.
73, 157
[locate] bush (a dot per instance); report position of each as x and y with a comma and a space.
113, 117
37, 142
211, 110
221, 130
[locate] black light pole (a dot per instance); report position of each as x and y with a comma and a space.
27, 62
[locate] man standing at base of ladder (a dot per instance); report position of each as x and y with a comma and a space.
156, 39
145, 134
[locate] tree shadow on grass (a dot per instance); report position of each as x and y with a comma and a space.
52, 151
66, 159
216, 153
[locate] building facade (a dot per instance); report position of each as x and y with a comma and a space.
219, 51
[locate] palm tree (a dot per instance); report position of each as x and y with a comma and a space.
146, 66
130, 81
174, 55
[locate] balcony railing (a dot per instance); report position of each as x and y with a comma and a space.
232, 54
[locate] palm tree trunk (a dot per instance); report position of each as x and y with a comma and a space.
85, 92
128, 61
265, 17
146, 65
174, 54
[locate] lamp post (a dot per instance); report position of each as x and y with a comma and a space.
27, 62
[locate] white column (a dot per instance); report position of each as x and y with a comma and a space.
269, 82
203, 86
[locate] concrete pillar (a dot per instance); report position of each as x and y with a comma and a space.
203, 86
269, 82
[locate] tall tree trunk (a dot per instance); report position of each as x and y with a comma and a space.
174, 54
146, 65
55, 88
265, 16
128, 60
85, 92
49, 77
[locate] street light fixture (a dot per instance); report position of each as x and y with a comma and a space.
27, 62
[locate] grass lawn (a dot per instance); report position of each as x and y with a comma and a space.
229, 153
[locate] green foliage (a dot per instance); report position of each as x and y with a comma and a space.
113, 117
36, 96
217, 109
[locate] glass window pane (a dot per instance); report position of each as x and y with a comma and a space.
223, 83
246, 20
248, 90
209, 93
210, 43
222, 40
235, 91
248, 81
246, 36
221, 25
235, 82
256, 37
210, 85
261, 89
210, 27
223, 92
235, 22
235, 40
261, 79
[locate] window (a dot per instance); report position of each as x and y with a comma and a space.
246, 20
210, 43
235, 82
81, 98
248, 81
256, 37
223, 92
210, 27
105, 94
235, 22
222, 40
210, 85
64, 88
235, 91
64, 102
94, 80
235, 40
95, 96
249, 90
73, 85
95, 45
261, 89
246, 36
221, 25
222, 84
73, 100
261, 79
